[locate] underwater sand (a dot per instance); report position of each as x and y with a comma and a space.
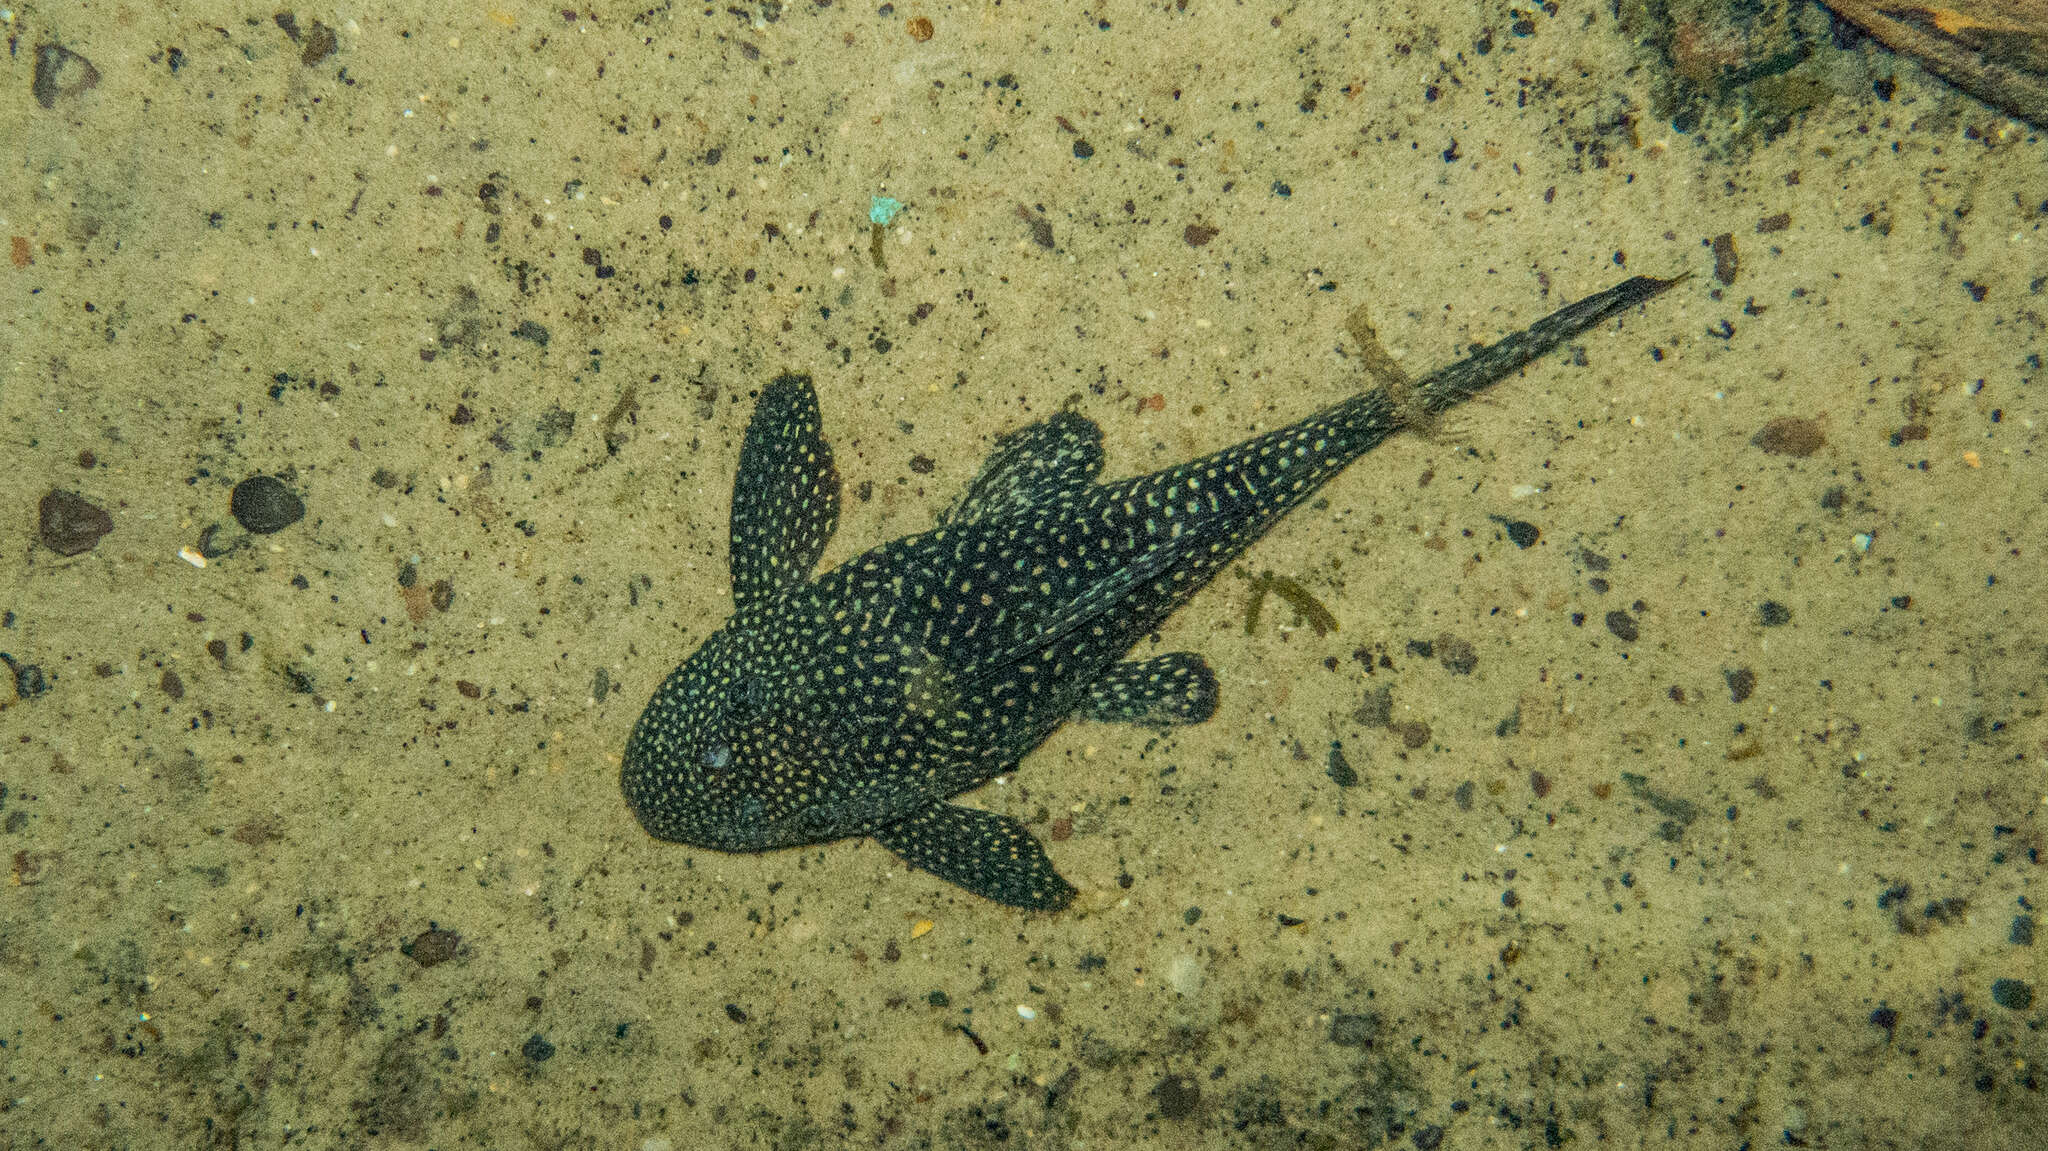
1712, 817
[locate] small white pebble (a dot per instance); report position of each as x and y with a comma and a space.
1025, 1013
191, 556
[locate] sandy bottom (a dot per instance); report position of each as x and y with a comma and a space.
1711, 817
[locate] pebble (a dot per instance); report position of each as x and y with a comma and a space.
1178, 1095
2012, 994
262, 504
60, 72
70, 524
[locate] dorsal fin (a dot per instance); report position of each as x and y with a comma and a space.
1034, 463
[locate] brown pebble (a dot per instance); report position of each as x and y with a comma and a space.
1741, 683
1179, 1096
172, 684
1197, 235
1456, 654
257, 832
70, 524
1726, 262
920, 29
1414, 734
1790, 436
468, 689
321, 43
432, 947
61, 72
1062, 829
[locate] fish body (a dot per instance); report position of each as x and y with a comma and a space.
861, 701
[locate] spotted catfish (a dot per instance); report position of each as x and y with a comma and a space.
862, 701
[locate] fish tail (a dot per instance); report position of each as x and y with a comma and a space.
1450, 386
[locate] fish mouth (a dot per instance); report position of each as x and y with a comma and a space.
740, 827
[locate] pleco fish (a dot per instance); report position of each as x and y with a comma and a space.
860, 702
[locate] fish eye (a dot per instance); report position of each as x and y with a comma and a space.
717, 756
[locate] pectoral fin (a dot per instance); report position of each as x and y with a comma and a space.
988, 854
785, 497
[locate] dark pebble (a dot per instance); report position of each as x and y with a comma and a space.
1178, 1096
61, 72
1741, 683
69, 524
733, 1012
1726, 261
1790, 436
1428, 1138
1191, 916
1771, 613
1341, 772
29, 680
939, 999
2022, 933
2012, 994
1456, 655
1353, 1030
262, 504
1623, 625
1521, 533
537, 1049
431, 947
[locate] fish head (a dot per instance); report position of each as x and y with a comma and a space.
727, 757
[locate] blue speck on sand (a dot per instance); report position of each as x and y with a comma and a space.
882, 209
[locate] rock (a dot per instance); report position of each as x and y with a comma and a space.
70, 524
262, 504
